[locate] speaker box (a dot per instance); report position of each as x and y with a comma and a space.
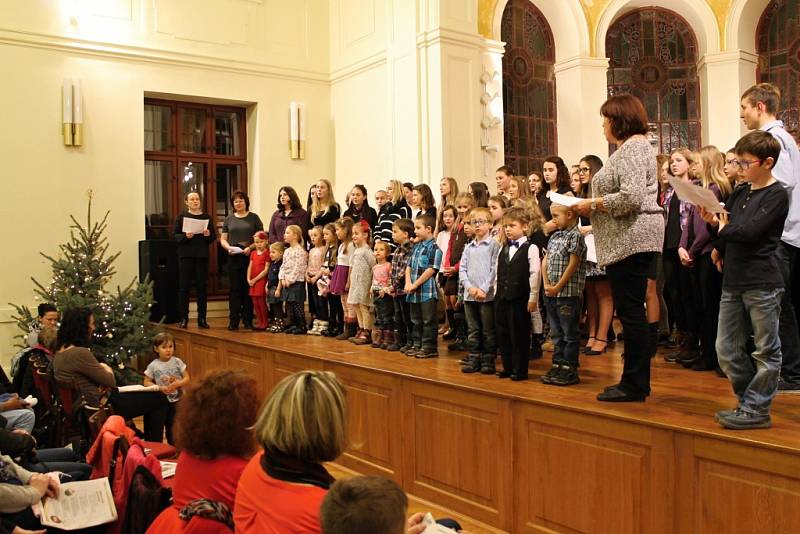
158, 259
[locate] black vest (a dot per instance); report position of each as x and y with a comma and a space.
512, 277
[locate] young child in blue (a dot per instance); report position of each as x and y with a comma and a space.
274, 287
420, 289
169, 373
477, 273
752, 282
564, 277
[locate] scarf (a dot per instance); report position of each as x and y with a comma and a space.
280, 466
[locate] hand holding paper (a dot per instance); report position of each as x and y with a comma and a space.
694, 194
194, 226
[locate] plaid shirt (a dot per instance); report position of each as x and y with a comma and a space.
561, 246
424, 255
398, 272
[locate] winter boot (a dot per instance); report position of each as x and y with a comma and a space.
364, 338
398, 342
377, 337
355, 336
388, 339
348, 331
487, 364
473, 364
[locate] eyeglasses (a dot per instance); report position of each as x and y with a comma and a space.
584, 170
479, 222
745, 164
731, 162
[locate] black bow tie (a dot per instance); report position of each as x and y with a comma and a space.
515, 243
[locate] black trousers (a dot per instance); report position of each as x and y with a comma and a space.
240, 306
788, 327
153, 405
672, 289
513, 333
193, 270
709, 284
402, 318
628, 279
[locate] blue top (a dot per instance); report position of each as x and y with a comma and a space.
425, 255
478, 267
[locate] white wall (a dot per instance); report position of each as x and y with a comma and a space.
260, 54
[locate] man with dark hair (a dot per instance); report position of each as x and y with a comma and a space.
364, 505
758, 109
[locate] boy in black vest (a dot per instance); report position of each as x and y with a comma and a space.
518, 275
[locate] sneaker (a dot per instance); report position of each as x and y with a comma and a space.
566, 376
548, 376
742, 420
724, 413
458, 345
412, 351
786, 386
425, 353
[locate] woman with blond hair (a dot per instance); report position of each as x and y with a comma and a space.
324, 208
695, 253
300, 426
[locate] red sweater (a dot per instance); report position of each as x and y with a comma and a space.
265, 505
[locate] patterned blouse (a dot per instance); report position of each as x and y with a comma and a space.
295, 263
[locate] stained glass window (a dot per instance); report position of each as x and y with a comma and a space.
653, 55
778, 44
529, 88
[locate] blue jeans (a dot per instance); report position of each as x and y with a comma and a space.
562, 314
740, 313
480, 326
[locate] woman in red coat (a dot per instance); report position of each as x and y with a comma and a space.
214, 431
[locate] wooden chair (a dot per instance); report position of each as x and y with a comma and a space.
49, 407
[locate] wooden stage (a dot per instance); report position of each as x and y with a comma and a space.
527, 457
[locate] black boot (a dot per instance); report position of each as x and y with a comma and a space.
473, 364
201, 323
487, 364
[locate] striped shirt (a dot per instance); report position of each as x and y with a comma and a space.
478, 267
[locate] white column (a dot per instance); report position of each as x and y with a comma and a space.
581, 88
724, 76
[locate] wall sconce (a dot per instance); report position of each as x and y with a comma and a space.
297, 130
72, 112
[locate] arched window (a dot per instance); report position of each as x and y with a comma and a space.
778, 43
653, 55
529, 89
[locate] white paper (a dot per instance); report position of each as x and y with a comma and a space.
432, 527
694, 194
168, 469
235, 250
137, 388
80, 505
591, 251
195, 226
563, 200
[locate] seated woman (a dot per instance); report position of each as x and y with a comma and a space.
214, 450
19, 489
74, 363
301, 425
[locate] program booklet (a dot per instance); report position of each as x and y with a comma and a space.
80, 505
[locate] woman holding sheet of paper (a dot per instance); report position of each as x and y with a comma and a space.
194, 232
237, 239
628, 227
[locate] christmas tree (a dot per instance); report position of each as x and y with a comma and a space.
80, 274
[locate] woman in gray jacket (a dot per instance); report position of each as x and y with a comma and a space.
628, 226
